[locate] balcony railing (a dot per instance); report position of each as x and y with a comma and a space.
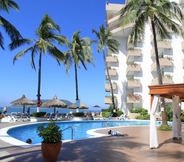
118, 27
164, 44
152, 51
108, 100
108, 87
163, 62
132, 100
133, 68
133, 83
111, 59
165, 80
112, 73
133, 53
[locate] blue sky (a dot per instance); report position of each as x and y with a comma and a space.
71, 16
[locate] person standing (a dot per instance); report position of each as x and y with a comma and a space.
5, 109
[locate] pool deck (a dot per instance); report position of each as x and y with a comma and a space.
131, 148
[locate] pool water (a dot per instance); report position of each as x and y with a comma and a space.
22, 133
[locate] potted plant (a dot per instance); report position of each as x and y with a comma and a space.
52, 141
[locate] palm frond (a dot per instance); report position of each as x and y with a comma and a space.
12, 32
17, 43
21, 54
5, 5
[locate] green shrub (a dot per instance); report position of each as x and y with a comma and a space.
143, 117
105, 114
138, 110
182, 118
169, 113
80, 114
119, 112
165, 128
115, 114
38, 114
182, 112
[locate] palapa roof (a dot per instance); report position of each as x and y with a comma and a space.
54, 103
82, 106
23, 101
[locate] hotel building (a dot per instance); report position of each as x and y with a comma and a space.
132, 70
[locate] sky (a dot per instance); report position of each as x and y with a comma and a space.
71, 15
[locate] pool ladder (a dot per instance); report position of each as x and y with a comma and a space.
71, 130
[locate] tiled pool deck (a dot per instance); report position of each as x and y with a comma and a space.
132, 148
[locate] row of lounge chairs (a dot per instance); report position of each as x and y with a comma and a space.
58, 116
18, 116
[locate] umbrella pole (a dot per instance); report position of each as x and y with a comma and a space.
23, 108
54, 110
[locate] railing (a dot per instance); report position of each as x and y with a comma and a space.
71, 130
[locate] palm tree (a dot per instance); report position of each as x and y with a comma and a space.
12, 32
163, 16
46, 34
79, 52
104, 39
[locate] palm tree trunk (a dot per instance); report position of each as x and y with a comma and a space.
164, 117
76, 86
110, 82
39, 78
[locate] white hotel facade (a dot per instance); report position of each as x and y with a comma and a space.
132, 71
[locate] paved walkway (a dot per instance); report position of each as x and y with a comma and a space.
132, 148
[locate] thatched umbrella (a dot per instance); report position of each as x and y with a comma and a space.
82, 106
54, 103
23, 101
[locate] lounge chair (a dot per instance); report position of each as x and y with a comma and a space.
47, 115
52, 116
25, 117
61, 116
122, 117
15, 116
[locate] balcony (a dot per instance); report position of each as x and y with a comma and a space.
163, 62
108, 87
164, 44
115, 17
182, 45
112, 73
108, 100
112, 59
118, 31
165, 80
133, 53
135, 83
131, 68
152, 52
134, 98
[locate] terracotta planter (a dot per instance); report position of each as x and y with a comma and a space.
50, 151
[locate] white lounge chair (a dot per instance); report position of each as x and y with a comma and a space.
25, 117
15, 116
122, 117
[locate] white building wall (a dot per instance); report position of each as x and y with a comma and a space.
145, 76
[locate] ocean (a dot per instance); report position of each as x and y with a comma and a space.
49, 110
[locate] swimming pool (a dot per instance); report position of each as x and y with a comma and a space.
80, 129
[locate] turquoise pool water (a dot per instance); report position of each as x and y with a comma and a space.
22, 133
